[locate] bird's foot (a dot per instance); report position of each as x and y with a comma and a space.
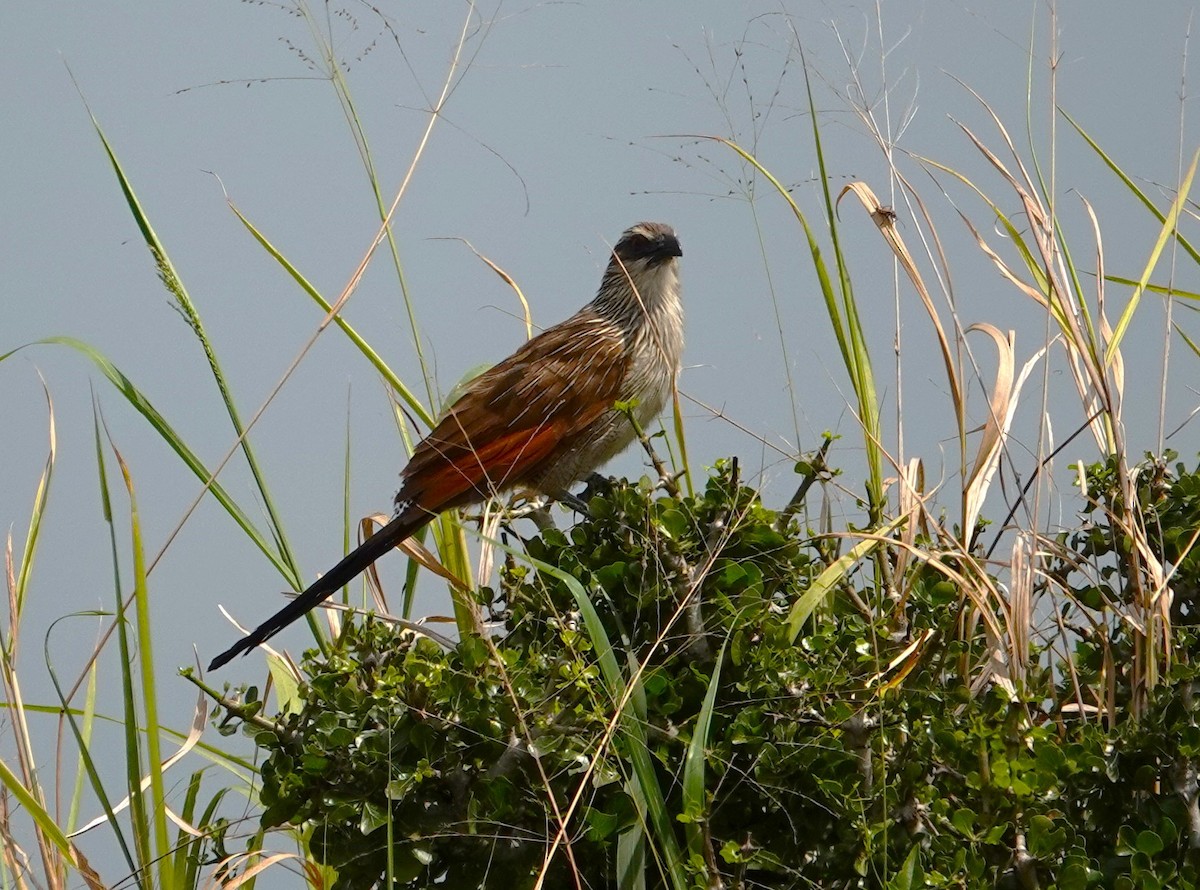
535, 508
526, 505
575, 502
593, 484
596, 480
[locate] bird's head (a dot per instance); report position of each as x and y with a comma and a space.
647, 244
644, 268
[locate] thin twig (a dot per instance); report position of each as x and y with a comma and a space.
818, 468
669, 481
246, 713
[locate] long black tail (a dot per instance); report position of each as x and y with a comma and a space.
400, 528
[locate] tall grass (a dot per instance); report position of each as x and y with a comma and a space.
151, 854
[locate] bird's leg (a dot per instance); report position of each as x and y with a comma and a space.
541, 517
536, 507
527, 418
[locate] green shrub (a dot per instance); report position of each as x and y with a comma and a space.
876, 750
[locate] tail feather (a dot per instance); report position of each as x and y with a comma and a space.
403, 526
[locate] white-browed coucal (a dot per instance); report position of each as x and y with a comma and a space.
544, 417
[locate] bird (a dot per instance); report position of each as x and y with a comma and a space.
543, 418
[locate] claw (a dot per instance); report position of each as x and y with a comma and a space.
576, 503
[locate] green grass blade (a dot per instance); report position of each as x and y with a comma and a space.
345, 98
819, 266
631, 858
87, 720
859, 363
1156, 288
406, 395
1169, 226
847, 330
35, 518
450, 540
44, 821
239, 766
825, 582
1013, 233
1186, 339
347, 521
695, 803
139, 824
86, 761
174, 284
192, 878
456, 558
168, 434
1130, 184
183, 862
158, 799
413, 569
681, 439
644, 781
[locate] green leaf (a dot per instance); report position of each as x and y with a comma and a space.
1126, 841
910, 874
287, 690
1149, 843
600, 824
373, 817
694, 797
996, 833
964, 820
1073, 876
832, 576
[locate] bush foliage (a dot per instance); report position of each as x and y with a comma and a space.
887, 745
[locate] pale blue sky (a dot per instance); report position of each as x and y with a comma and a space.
563, 128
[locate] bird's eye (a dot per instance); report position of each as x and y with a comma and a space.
633, 245
652, 246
